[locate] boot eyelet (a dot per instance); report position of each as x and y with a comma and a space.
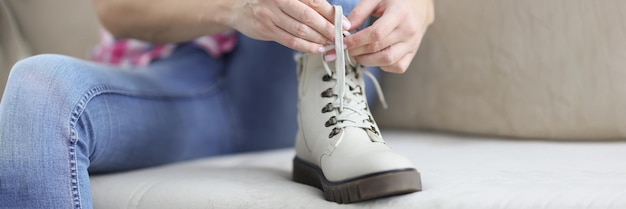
332, 121
327, 108
334, 132
327, 77
328, 93
373, 129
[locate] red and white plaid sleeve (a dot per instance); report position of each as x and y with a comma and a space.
129, 53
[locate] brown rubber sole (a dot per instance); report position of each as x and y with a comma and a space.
367, 187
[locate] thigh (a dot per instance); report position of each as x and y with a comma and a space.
61, 116
179, 114
261, 90
119, 119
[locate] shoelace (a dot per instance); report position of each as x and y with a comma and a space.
352, 107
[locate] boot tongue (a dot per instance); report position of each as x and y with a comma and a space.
357, 134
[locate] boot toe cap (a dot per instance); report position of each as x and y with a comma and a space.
340, 167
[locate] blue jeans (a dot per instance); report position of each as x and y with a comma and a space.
62, 119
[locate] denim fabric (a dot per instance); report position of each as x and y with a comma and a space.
62, 119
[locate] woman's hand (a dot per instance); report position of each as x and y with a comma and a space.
393, 39
298, 24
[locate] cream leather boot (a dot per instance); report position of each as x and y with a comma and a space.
339, 148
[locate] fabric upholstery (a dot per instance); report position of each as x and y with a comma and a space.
546, 69
29, 27
529, 69
12, 46
533, 69
457, 172
62, 26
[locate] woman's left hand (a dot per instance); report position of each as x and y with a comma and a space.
393, 39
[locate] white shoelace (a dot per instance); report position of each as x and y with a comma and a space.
352, 107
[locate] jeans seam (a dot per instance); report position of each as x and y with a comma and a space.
74, 175
80, 107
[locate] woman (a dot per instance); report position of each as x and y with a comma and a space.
62, 118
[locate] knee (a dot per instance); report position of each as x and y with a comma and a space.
41, 76
40, 68
39, 83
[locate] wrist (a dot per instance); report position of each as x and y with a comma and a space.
223, 13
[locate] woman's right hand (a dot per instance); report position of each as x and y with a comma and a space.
303, 25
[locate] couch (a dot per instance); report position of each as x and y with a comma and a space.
508, 104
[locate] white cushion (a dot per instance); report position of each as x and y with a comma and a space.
457, 172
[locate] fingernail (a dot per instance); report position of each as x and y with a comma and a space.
329, 42
320, 49
345, 46
330, 57
346, 23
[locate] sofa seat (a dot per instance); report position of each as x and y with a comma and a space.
457, 172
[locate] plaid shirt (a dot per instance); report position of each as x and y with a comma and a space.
128, 53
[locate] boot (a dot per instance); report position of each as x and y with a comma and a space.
339, 148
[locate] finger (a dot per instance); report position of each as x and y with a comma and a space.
300, 30
293, 42
322, 7
385, 57
377, 31
400, 66
330, 55
327, 11
308, 16
395, 37
361, 12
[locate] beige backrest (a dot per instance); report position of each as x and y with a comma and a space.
30, 27
12, 46
529, 68
61, 26
532, 68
